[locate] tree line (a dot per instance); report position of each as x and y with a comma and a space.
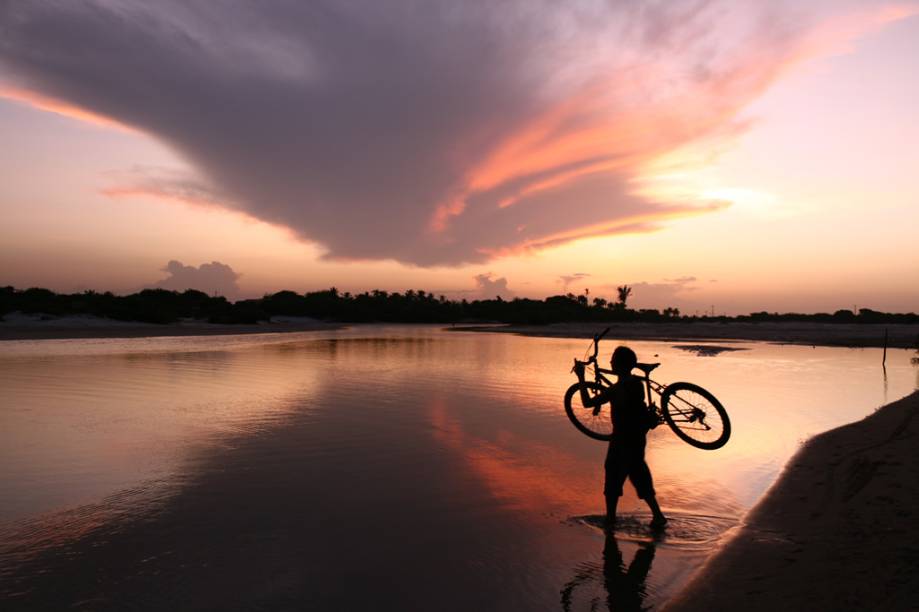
412, 306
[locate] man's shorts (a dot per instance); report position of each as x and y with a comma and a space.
627, 460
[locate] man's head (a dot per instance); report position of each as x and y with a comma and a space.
624, 359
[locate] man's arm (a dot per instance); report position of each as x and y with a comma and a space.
587, 400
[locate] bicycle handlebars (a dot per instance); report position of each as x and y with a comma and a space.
597, 339
592, 358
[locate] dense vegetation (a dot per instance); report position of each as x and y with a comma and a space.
162, 306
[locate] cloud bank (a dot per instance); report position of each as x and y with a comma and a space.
213, 278
434, 133
661, 294
567, 279
488, 287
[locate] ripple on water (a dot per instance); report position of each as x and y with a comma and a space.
683, 530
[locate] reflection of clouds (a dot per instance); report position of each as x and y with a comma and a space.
541, 476
119, 420
518, 472
96, 440
21, 541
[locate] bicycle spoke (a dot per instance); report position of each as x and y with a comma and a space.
693, 414
596, 419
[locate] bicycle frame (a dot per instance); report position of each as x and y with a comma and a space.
650, 385
682, 414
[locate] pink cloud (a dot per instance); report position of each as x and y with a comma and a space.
431, 135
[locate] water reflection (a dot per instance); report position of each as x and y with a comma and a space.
78, 430
517, 471
280, 472
624, 585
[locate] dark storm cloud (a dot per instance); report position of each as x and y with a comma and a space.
425, 132
214, 278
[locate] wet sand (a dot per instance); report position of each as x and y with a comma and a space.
817, 334
836, 532
81, 328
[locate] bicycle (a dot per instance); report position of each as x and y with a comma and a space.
693, 413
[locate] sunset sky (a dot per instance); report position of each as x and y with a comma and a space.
741, 156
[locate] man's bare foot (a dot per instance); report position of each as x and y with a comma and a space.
658, 522
609, 523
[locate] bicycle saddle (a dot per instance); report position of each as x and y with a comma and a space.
646, 367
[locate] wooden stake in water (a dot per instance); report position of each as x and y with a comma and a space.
884, 359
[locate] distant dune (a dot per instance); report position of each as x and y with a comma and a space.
17, 326
818, 334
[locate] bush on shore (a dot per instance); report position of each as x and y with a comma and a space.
412, 306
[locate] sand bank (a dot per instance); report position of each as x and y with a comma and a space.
822, 334
24, 327
836, 532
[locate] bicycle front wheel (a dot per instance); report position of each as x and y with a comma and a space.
695, 416
593, 421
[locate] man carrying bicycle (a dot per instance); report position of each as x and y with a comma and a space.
625, 457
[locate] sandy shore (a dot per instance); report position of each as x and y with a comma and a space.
18, 327
822, 334
836, 532
75, 327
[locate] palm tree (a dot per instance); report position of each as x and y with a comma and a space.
624, 292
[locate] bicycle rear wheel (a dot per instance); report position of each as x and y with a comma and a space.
695, 416
593, 421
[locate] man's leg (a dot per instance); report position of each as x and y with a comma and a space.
616, 473
611, 502
658, 519
640, 475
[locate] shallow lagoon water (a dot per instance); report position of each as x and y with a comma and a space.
400, 467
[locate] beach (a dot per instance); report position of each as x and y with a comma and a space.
16, 326
835, 532
816, 334
24, 327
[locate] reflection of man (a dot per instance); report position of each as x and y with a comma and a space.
625, 457
625, 588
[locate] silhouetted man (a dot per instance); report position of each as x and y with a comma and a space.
625, 457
